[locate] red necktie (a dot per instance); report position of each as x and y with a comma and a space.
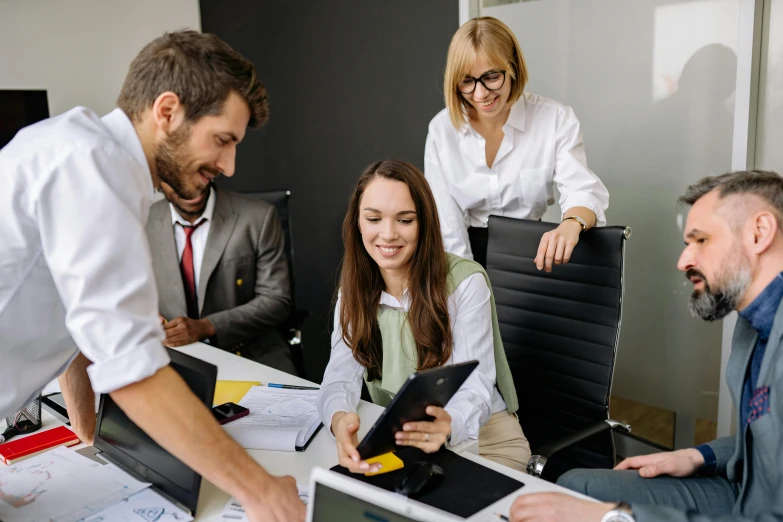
186, 268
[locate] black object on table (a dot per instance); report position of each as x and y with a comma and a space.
467, 487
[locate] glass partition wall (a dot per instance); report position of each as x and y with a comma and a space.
655, 86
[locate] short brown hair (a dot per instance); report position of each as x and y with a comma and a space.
497, 42
765, 184
199, 68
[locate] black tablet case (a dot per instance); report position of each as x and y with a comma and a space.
467, 487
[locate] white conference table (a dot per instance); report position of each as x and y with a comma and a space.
322, 451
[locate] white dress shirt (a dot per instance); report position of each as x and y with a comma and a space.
198, 240
542, 146
75, 267
470, 315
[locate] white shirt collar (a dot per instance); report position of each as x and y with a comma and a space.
389, 300
122, 130
209, 210
516, 118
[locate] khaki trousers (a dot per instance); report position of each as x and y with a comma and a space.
501, 440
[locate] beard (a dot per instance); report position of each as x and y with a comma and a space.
175, 164
716, 302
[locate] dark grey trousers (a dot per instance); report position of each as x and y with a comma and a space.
706, 495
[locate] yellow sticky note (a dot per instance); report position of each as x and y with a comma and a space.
231, 391
388, 461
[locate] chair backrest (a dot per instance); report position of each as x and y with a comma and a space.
560, 331
279, 198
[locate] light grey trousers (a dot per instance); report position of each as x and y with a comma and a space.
706, 495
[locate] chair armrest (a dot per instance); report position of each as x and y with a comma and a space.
535, 466
293, 326
297, 318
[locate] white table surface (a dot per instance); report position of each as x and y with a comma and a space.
322, 451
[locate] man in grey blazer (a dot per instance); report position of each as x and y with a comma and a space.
734, 259
222, 274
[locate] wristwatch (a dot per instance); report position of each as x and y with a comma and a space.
578, 220
622, 512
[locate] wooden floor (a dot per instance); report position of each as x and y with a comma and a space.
655, 424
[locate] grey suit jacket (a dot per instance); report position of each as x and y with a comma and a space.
244, 286
754, 465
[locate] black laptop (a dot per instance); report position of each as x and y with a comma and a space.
126, 445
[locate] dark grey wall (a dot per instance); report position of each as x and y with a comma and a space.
350, 82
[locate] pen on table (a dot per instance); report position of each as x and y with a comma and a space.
502, 517
291, 386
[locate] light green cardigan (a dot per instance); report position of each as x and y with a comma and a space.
399, 348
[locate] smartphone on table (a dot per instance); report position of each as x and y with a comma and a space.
228, 412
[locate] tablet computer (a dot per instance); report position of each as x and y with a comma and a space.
433, 387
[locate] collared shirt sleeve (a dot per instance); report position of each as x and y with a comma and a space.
452, 219
341, 387
710, 460
92, 234
471, 322
578, 185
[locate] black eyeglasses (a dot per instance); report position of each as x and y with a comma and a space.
492, 81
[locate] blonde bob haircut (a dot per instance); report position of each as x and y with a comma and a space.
493, 39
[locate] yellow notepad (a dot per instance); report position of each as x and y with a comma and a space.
388, 461
232, 391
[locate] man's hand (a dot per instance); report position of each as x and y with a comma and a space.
281, 502
427, 436
680, 463
184, 330
166, 409
556, 507
344, 427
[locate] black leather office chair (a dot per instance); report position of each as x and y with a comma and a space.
292, 327
560, 332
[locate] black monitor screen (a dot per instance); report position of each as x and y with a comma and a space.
127, 445
18, 109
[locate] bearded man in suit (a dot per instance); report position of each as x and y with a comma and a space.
222, 273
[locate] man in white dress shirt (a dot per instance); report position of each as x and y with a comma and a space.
77, 291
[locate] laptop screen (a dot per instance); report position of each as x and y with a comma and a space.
331, 505
128, 446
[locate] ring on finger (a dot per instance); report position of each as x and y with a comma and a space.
426, 437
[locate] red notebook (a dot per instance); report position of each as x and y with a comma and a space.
20, 449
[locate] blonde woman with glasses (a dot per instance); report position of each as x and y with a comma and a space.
498, 150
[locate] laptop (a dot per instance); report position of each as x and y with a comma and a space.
337, 498
124, 444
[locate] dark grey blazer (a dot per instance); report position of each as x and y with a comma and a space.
244, 287
754, 468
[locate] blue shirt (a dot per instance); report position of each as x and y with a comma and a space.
760, 314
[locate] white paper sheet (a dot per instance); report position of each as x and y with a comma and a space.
278, 417
61, 486
234, 512
144, 506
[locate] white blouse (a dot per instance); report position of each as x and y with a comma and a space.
542, 146
471, 323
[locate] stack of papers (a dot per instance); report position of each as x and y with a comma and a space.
280, 419
61, 486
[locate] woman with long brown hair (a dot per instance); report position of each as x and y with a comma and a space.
406, 305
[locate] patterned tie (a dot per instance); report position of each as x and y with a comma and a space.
186, 268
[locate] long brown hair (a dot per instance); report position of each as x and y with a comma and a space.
361, 282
